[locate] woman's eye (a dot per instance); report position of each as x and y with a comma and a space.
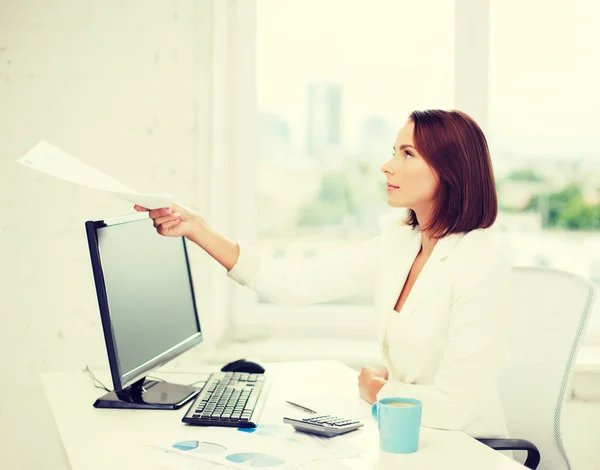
408, 154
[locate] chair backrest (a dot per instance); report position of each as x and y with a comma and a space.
551, 310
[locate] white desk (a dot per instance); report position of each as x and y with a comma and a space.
97, 439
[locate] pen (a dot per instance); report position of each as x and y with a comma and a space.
301, 407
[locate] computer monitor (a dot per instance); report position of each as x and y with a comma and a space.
147, 306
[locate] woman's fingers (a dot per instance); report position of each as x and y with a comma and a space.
169, 225
155, 213
167, 218
383, 372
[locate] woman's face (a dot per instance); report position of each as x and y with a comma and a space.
411, 182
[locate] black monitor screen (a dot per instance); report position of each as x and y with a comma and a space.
148, 291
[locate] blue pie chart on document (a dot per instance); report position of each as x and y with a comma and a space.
199, 447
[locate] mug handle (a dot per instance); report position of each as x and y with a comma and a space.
374, 410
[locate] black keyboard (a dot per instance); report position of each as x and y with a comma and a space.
229, 399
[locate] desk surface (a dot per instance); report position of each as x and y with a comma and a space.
100, 439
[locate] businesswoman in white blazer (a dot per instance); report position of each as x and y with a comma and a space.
441, 285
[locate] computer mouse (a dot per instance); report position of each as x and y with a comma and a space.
244, 365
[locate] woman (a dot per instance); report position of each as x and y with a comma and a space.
441, 285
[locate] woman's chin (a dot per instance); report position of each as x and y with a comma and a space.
393, 202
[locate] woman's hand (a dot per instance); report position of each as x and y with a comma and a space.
370, 382
383, 372
174, 221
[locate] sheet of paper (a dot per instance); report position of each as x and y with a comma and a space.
267, 445
160, 459
48, 159
317, 446
236, 451
149, 201
271, 422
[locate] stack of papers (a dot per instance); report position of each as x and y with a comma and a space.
57, 163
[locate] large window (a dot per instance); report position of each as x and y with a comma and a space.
336, 80
544, 133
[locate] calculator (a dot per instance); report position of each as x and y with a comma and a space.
325, 425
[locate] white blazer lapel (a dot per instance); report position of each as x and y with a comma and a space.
425, 284
398, 262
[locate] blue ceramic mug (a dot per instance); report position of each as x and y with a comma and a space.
399, 423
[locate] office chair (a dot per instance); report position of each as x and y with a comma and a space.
550, 316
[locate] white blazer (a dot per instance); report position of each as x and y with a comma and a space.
447, 345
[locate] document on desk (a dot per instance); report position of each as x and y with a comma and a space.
267, 445
234, 452
48, 159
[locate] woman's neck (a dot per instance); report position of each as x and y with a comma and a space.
427, 244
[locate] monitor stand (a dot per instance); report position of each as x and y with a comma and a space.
149, 394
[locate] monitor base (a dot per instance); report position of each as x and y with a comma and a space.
149, 395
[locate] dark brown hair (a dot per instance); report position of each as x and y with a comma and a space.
454, 146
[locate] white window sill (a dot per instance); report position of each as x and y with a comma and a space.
588, 360
585, 383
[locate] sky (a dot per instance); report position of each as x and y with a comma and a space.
392, 56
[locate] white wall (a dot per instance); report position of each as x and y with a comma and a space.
123, 85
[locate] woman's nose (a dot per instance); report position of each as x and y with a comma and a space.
385, 168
